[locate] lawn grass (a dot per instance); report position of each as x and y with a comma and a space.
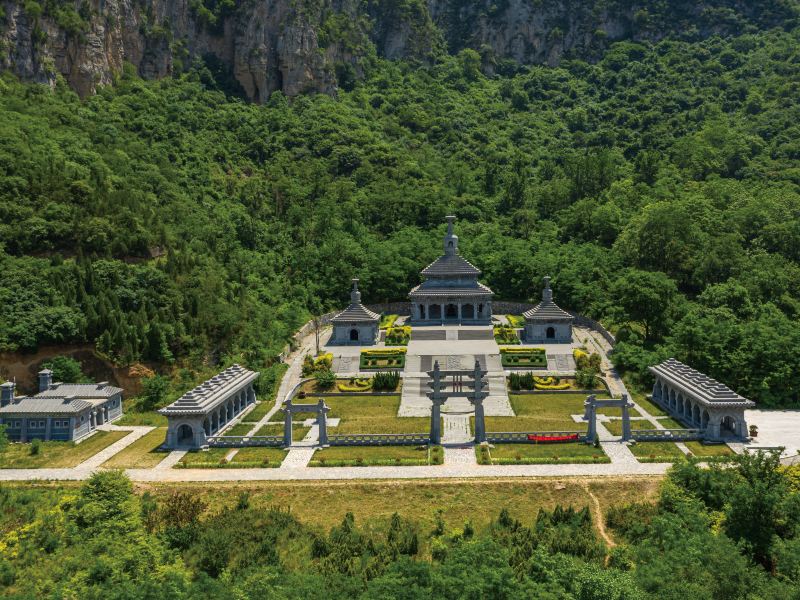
149, 419
527, 454
638, 395
252, 457
709, 450
258, 456
204, 458
372, 414
299, 431
260, 411
239, 429
540, 412
373, 502
611, 411
656, 451
357, 456
670, 423
58, 454
615, 427
141, 454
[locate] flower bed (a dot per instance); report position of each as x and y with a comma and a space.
517, 321
398, 336
384, 358
388, 321
523, 357
354, 385
505, 335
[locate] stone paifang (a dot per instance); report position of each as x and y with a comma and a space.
547, 322
356, 324
209, 408
450, 292
59, 411
700, 400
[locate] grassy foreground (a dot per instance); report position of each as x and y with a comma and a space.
419, 501
58, 454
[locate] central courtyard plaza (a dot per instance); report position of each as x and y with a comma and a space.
455, 347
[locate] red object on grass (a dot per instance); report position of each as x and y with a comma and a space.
573, 437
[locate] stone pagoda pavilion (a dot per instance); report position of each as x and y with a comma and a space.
356, 324
547, 322
450, 292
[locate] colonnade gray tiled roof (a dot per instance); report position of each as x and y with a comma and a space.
703, 388
208, 394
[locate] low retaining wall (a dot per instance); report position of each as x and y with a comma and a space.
380, 439
242, 441
521, 437
667, 435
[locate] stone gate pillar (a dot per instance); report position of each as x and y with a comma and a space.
626, 419
591, 415
436, 407
322, 422
287, 423
477, 401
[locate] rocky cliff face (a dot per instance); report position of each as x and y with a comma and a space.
300, 45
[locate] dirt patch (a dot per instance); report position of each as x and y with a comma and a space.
24, 368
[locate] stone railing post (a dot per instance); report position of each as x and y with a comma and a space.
626, 418
436, 408
287, 423
322, 422
591, 415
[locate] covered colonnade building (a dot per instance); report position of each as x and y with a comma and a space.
699, 400
209, 408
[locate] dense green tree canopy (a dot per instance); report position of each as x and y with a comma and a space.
165, 220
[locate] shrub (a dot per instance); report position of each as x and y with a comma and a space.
308, 365
325, 379
36, 447
386, 381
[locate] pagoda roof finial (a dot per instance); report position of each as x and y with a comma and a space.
451, 239
547, 293
355, 295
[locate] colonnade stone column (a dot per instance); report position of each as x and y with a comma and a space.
477, 401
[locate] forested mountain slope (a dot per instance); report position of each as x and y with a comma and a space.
659, 187
325, 45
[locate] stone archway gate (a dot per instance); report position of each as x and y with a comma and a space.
474, 388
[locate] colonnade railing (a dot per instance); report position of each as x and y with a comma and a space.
240, 441
379, 439
524, 437
672, 435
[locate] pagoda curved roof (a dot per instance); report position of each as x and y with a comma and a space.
547, 310
356, 313
451, 265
